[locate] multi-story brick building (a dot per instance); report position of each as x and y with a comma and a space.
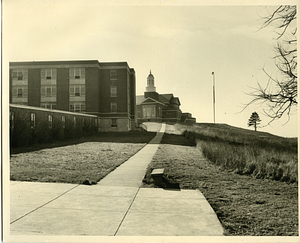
155, 107
103, 89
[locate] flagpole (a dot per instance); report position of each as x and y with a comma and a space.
214, 97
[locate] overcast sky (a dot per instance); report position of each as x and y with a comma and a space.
182, 44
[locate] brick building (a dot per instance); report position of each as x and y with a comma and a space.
106, 90
155, 107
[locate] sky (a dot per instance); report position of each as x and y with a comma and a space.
181, 42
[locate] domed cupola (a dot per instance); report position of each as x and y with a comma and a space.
150, 83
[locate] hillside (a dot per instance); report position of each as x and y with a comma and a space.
261, 154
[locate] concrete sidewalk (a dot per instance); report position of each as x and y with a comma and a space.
115, 206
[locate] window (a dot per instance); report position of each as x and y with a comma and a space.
19, 91
113, 107
77, 106
48, 74
113, 73
19, 74
48, 91
48, 105
159, 111
32, 120
113, 91
149, 112
114, 122
77, 73
63, 121
50, 121
77, 90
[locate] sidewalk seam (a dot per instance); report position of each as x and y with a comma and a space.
44, 204
126, 212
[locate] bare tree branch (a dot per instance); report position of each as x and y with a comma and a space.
280, 95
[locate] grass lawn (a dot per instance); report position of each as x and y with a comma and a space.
86, 159
244, 205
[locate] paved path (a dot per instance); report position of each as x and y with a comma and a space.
116, 206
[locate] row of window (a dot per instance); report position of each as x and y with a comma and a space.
49, 120
75, 106
50, 91
51, 73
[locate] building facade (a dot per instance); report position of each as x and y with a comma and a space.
106, 90
155, 107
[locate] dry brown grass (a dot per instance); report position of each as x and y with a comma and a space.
86, 159
71, 164
245, 206
247, 152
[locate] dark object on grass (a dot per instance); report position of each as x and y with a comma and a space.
157, 175
88, 182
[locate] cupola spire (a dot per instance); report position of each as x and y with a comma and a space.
150, 83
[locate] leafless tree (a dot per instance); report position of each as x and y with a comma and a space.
280, 93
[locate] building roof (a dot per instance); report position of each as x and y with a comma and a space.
162, 98
139, 99
67, 63
165, 98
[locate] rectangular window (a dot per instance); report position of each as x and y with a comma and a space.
77, 73
19, 74
32, 120
113, 107
48, 74
77, 90
20, 92
72, 107
48, 91
113, 91
48, 105
78, 106
149, 111
114, 122
50, 121
63, 121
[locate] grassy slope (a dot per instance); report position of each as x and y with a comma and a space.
262, 154
244, 205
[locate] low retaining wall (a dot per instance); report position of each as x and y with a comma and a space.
32, 125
